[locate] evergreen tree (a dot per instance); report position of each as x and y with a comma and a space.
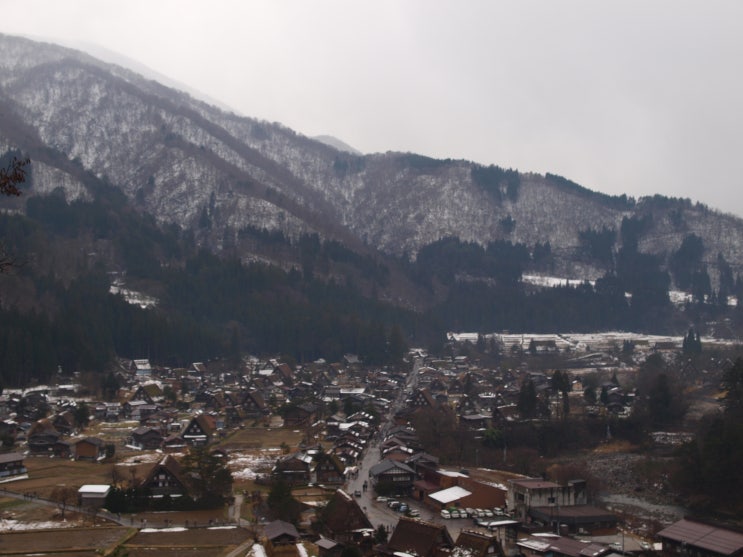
210, 479
560, 382
604, 397
81, 415
397, 345
732, 382
527, 403
281, 503
691, 344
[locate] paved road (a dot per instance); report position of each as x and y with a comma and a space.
379, 512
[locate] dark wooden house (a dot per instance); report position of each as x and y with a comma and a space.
199, 431
343, 521
90, 448
294, 468
11, 465
148, 438
417, 537
165, 478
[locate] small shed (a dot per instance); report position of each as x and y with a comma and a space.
279, 532
93, 496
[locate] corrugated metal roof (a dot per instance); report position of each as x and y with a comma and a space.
451, 494
704, 536
534, 484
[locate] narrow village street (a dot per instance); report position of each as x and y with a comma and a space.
378, 512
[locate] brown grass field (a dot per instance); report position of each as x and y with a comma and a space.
86, 542
65, 541
44, 474
79, 537
260, 438
188, 543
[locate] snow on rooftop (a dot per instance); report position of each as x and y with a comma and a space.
450, 494
534, 545
451, 474
94, 488
497, 485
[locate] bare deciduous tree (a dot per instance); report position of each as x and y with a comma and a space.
64, 496
10, 177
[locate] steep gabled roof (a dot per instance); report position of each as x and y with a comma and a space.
169, 464
476, 544
343, 514
205, 422
332, 459
419, 537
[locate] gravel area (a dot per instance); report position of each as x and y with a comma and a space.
636, 487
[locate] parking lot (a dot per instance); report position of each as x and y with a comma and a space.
382, 513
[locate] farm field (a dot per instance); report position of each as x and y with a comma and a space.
67, 541
252, 453
209, 542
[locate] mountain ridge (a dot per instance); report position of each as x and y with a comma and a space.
187, 162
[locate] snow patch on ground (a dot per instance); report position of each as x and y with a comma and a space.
677, 297
550, 282
146, 458
10, 525
258, 551
133, 297
249, 466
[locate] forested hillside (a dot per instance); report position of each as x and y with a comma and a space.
255, 238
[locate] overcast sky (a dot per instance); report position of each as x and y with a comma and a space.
630, 96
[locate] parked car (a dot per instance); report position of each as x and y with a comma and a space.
382, 499
445, 514
470, 512
454, 513
403, 508
497, 511
394, 505
414, 513
488, 513
357, 493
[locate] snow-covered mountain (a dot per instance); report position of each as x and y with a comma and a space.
209, 170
